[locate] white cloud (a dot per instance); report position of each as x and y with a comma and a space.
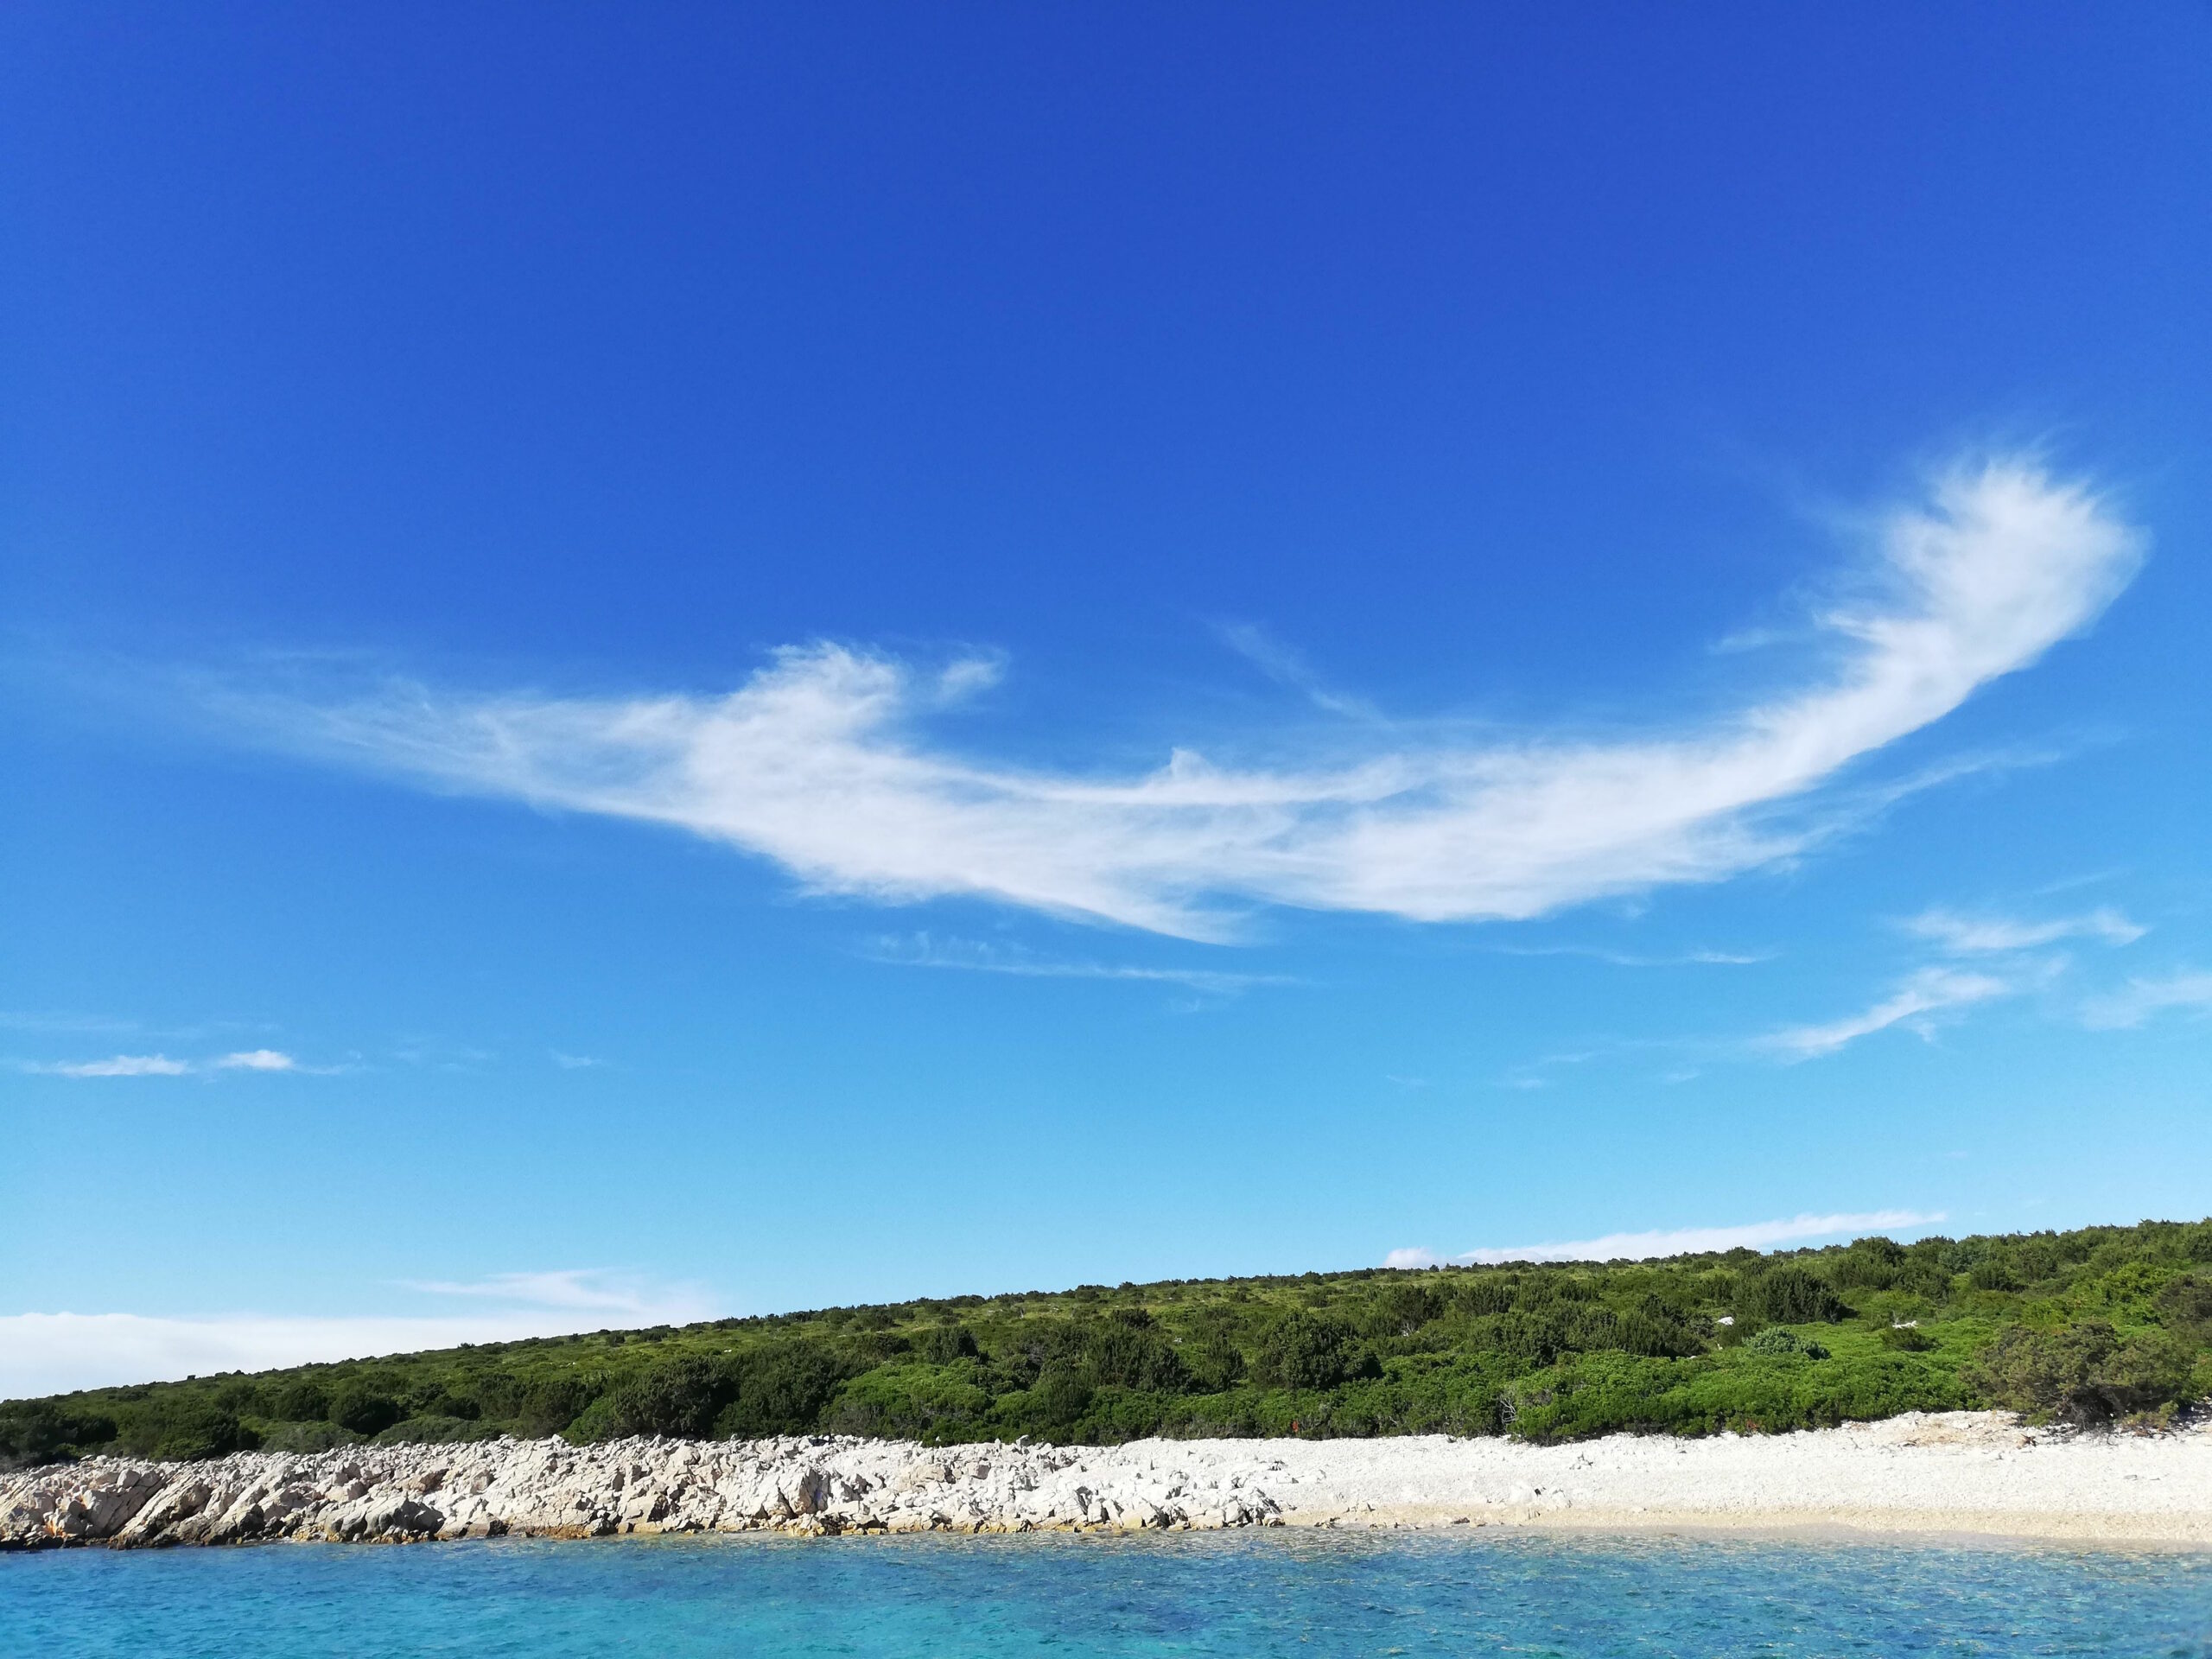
575, 1062
1962, 936
48, 1353
119, 1065
1682, 1241
975, 956
1929, 992
258, 1060
821, 764
160, 1066
2141, 999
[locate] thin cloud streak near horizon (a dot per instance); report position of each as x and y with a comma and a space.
50, 1353
1682, 1241
820, 762
581, 1289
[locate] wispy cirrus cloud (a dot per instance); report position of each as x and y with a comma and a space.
115, 1066
160, 1066
1984, 935
2001, 946
823, 762
976, 955
2140, 999
1679, 1241
1286, 667
1611, 958
1915, 1004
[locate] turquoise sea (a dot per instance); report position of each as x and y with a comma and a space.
1244, 1594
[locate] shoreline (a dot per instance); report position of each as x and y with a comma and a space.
1957, 1475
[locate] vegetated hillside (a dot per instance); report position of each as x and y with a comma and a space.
2090, 1326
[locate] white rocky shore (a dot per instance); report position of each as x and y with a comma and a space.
1960, 1473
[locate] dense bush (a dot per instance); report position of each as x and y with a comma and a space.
1778, 1342
549, 1404
363, 1407
1304, 1351
181, 1425
1993, 1273
2085, 1373
2084, 1326
1876, 1263
946, 1343
679, 1399
48, 1430
297, 1400
782, 1388
1791, 1295
1127, 1350
2184, 1308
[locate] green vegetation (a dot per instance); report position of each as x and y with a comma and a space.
2103, 1324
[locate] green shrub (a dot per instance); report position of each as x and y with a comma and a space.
1403, 1310
1876, 1263
1993, 1273
2185, 1308
548, 1405
2085, 1373
679, 1399
1492, 1293
363, 1407
48, 1430
1059, 1398
1656, 1333
1304, 1351
1776, 1342
301, 1400
1789, 1295
1128, 1350
912, 1402
308, 1437
780, 1388
181, 1427
1214, 1361
946, 1343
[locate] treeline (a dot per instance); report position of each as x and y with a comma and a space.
2101, 1325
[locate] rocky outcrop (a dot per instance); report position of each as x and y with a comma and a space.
550, 1489
1942, 1474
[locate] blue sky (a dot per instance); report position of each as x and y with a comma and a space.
715, 661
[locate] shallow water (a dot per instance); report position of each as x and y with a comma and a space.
1246, 1594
